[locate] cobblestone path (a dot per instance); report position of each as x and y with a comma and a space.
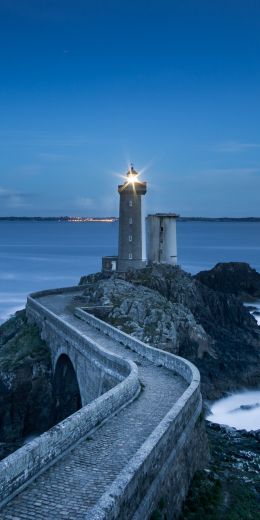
70, 487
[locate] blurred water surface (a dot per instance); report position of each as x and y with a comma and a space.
240, 410
41, 255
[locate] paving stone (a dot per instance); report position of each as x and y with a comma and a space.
74, 484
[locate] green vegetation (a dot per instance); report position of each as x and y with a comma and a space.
243, 503
215, 499
229, 488
159, 514
204, 498
120, 322
12, 326
24, 342
150, 330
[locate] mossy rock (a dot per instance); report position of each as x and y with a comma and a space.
26, 396
12, 326
25, 343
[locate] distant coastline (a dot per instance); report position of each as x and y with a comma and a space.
219, 219
110, 220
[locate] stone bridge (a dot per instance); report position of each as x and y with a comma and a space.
132, 447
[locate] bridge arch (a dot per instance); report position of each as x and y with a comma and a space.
67, 397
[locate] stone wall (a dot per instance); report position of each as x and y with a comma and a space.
163, 467
116, 378
97, 370
159, 357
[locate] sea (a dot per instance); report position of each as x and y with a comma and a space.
240, 410
42, 255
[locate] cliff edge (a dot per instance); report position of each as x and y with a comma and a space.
25, 383
168, 308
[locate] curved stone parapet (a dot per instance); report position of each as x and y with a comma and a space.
96, 369
178, 364
161, 449
30, 460
164, 461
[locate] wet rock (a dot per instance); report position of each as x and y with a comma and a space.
231, 359
145, 314
246, 407
25, 383
210, 328
230, 486
10, 328
236, 278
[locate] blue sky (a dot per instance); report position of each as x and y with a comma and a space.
89, 85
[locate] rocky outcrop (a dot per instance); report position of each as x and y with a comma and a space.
236, 278
230, 486
161, 305
145, 314
170, 309
11, 327
25, 383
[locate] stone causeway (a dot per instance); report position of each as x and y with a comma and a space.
132, 447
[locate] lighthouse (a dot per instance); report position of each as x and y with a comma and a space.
160, 231
131, 247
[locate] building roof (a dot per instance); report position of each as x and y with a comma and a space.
166, 215
132, 171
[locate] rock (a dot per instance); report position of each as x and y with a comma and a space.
246, 407
231, 359
25, 382
170, 309
10, 328
6, 448
236, 278
92, 278
230, 486
145, 314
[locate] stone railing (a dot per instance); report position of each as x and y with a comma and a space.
136, 489
32, 459
181, 366
89, 349
165, 461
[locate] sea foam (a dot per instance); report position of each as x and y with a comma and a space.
241, 411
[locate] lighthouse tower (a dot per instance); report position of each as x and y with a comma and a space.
131, 250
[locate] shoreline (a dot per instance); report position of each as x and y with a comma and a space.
112, 220
254, 309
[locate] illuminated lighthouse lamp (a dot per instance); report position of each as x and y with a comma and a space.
131, 243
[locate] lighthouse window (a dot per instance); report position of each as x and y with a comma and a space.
130, 238
130, 203
130, 256
130, 220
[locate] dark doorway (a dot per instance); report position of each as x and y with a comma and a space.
67, 398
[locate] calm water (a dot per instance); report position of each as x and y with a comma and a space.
39, 255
